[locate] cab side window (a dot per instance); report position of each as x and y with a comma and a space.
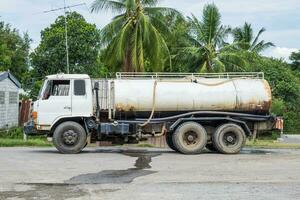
79, 87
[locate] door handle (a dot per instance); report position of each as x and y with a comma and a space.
67, 107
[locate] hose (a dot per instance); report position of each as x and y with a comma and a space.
214, 84
153, 106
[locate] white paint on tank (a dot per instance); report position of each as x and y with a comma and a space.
182, 95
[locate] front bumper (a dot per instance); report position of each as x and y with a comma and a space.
29, 128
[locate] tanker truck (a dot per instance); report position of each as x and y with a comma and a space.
217, 111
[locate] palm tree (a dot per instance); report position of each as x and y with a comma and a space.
209, 51
136, 35
244, 38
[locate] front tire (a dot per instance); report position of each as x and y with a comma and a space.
190, 138
229, 138
69, 138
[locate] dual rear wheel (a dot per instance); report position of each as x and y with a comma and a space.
191, 138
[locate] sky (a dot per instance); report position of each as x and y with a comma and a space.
281, 18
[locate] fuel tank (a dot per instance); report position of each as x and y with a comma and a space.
214, 94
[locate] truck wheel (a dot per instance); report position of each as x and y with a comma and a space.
190, 138
211, 147
170, 141
69, 138
229, 138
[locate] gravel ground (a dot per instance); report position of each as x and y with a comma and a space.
135, 173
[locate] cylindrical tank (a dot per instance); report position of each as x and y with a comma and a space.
237, 95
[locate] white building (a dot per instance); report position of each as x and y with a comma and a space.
9, 100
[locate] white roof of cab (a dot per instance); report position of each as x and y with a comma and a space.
68, 76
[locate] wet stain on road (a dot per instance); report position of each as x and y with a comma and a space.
45, 191
142, 162
257, 151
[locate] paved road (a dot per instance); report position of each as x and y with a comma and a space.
136, 174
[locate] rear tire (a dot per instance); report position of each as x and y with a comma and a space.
169, 141
190, 138
69, 138
229, 138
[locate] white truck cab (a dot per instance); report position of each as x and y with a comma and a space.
61, 96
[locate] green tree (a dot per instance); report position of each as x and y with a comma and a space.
177, 40
14, 51
84, 44
285, 86
245, 40
295, 58
209, 51
136, 35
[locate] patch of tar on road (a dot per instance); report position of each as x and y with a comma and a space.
142, 162
45, 191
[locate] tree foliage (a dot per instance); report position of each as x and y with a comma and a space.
209, 51
295, 58
84, 44
136, 35
244, 39
285, 85
14, 51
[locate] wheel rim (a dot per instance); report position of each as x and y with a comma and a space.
230, 139
70, 137
190, 138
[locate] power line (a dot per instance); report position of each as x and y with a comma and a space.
66, 27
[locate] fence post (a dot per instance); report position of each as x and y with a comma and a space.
24, 136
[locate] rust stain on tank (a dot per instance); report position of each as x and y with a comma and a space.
127, 107
267, 104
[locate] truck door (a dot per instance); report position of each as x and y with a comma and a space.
55, 102
82, 104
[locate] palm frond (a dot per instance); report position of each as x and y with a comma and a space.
164, 11
211, 21
114, 5
110, 30
257, 37
218, 65
233, 61
261, 46
149, 2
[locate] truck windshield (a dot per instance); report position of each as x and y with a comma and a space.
56, 88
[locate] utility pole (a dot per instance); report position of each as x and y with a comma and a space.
66, 28
66, 37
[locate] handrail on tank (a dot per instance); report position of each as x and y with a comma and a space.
159, 75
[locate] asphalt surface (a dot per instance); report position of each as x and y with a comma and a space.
136, 174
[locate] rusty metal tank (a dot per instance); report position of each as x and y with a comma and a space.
243, 93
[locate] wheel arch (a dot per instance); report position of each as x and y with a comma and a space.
79, 120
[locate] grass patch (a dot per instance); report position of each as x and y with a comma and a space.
271, 144
14, 137
38, 142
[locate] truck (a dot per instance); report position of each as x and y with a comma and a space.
193, 111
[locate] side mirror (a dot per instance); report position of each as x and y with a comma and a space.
96, 86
